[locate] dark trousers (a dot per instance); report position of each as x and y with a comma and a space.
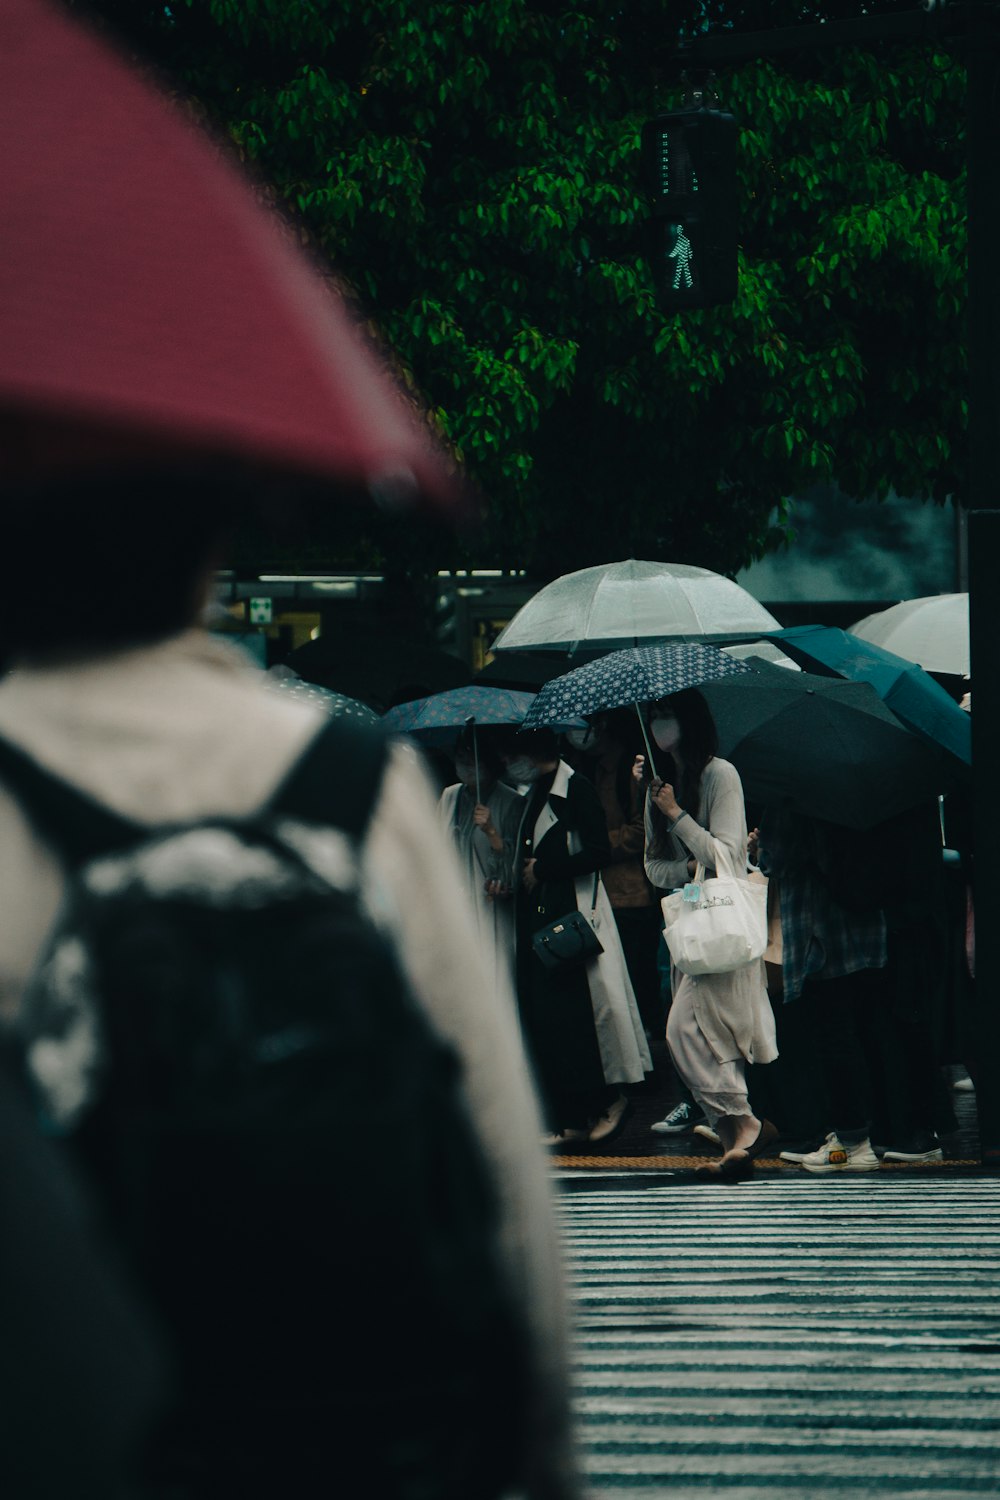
639, 928
852, 1059
846, 1013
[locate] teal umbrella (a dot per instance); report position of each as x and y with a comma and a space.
911, 693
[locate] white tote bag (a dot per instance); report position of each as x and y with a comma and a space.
715, 926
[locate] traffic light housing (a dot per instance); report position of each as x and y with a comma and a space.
689, 165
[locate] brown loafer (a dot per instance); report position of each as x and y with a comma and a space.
732, 1168
766, 1136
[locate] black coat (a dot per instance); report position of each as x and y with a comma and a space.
556, 1012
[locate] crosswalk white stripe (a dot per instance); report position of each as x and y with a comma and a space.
777, 1337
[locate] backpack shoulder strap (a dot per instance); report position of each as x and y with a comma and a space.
336, 780
65, 816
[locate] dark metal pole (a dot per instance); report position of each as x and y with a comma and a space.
979, 21
983, 118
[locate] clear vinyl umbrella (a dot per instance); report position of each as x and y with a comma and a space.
632, 603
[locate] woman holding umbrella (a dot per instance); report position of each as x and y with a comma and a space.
482, 815
718, 1022
581, 1023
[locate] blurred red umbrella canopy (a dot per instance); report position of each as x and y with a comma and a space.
151, 306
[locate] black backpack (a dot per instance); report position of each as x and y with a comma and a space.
279, 1142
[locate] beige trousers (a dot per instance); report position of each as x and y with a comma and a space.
720, 1088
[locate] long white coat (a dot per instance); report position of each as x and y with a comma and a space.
620, 1036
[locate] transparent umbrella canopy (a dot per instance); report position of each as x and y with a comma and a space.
932, 631
633, 603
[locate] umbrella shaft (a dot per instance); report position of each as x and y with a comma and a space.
645, 736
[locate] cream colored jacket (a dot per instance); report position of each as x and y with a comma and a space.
185, 729
732, 1010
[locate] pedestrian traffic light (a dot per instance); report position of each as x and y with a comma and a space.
689, 164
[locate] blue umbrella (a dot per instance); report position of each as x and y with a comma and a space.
638, 674
907, 690
436, 720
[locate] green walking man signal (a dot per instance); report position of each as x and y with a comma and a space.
689, 165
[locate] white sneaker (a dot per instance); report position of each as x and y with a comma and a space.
833, 1156
801, 1156
707, 1134
935, 1153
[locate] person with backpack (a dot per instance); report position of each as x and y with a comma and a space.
275, 1057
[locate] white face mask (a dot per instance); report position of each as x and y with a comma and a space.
666, 732
465, 770
582, 739
522, 769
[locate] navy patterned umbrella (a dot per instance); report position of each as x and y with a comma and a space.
637, 674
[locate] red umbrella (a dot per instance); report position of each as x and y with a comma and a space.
150, 305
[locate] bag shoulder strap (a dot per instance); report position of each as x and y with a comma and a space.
334, 782
724, 866
66, 816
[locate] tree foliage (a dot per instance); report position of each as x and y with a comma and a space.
472, 170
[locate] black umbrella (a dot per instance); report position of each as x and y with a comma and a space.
827, 748
531, 670
379, 669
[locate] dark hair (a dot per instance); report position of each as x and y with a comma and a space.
487, 748
622, 731
539, 744
699, 743
110, 559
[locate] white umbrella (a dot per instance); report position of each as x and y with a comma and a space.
629, 603
932, 631
762, 651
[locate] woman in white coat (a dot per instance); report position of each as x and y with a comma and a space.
581, 1023
718, 1022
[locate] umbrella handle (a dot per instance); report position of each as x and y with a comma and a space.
471, 724
645, 736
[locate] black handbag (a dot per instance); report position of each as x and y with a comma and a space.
571, 939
